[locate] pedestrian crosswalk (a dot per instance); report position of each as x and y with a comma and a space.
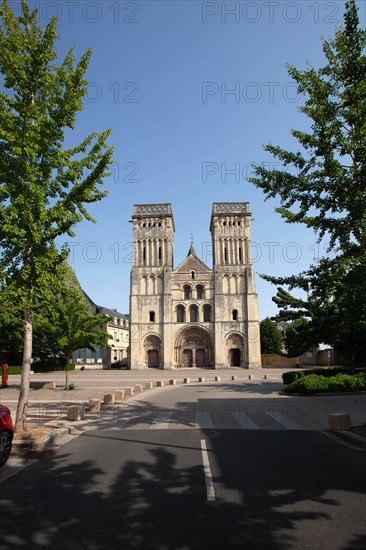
202, 419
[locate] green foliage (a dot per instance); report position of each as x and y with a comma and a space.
271, 341
322, 186
69, 323
11, 333
43, 186
296, 338
291, 376
14, 370
51, 364
308, 385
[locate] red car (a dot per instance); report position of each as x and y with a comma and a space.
6, 434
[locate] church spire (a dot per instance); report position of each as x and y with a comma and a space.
191, 250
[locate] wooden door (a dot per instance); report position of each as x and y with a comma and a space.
152, 358
200, 357
187, 358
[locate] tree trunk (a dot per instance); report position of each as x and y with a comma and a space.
67, 372
21, 415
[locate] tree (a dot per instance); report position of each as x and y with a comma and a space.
271, 341
70, 323
296, 338
44, 186
323, 186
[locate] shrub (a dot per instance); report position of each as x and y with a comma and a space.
314, 383
15, 370
307, 385
291, 376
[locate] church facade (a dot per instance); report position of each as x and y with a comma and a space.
192, 315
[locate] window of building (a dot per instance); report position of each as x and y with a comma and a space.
240, 255
225, 254
193, 314
181, 314
206, 313
144, 253
187, 292
152, 316
235, 314
159, 252
199, 289
193, 274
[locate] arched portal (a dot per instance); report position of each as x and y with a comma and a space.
152, 347
235, 350
194, 347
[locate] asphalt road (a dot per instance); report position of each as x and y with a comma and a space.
191, 467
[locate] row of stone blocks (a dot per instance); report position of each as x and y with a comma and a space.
77, 412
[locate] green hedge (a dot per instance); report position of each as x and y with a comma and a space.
314, 383
15, 370
38, 367
291, 376
50, 367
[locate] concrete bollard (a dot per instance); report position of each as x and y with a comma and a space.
75, 412
172, 382
251, 377
138, 388
265, 377
201, 379
129, 391
186, 380
338, 422
160, 383
217, 378
119, 395
148, 385
234, 377
108, 399
94, 405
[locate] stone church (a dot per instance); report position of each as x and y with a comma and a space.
192, 315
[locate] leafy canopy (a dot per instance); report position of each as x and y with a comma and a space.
323, 186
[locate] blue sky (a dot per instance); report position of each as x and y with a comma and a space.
160, 77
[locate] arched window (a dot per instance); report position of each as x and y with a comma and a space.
181, 314
207, 313
235, 314
187, 292
152, 316
193, 314
193, 274
200, 290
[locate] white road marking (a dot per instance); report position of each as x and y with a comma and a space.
122, 421
210, 490
284, 420
244, 421
162, 420
203, 420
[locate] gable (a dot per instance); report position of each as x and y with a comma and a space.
192, 263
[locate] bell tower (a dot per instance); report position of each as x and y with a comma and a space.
236, 302
150, 295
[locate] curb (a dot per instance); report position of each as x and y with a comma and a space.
350, 437
40, 444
